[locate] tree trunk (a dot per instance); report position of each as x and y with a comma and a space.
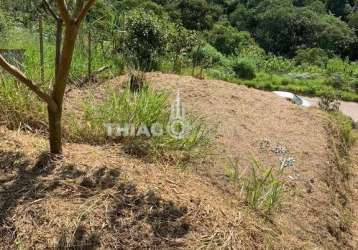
58, 92
55, 131
89, 51
42, 60
58, 43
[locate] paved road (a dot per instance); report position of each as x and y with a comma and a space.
348, 108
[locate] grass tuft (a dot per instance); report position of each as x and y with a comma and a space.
263, 187
19, 107
144, 107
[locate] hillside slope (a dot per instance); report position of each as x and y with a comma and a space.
100, 197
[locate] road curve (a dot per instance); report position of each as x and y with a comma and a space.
348, 108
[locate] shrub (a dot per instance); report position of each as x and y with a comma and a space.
286, 81
354, 85
314, 56
317, 6
328, 102
337, 65
244, 69
336, 81
228, 40
221, 73
241, 17
353, 21
207, 55
283, 28
277, 64
197, 14
146, 39
182, 42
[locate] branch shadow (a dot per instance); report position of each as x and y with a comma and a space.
23, 184
135, 219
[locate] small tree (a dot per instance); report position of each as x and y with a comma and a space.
146, 39
72, 22
228, 40
182, 42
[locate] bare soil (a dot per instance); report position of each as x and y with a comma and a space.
99, 197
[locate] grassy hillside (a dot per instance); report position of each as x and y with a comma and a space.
104, 196
163, 129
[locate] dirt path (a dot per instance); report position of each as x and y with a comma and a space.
348, 108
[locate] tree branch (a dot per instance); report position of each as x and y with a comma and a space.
62, 6
47, 7
30, 84
84, 11
78, 7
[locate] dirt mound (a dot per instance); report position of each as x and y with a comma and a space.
100, 197
97, 197
258, 124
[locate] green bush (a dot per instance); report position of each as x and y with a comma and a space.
221, 73
197, 14
206, 56
241, 17
182, 43
314, 56
337, 66
354, 85
228, 40
277, 64
146, 39
336, 81
283, 28
244, 69
353, 20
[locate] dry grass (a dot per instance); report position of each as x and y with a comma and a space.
95, 197
99, 196
354, 187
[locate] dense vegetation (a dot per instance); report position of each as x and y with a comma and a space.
305, 46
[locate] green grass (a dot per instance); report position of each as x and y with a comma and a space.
345, 131
263, 187
276, 73
24, 39
144, 107
19, 106
273, 82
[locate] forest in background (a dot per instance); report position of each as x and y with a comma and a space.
304, 46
